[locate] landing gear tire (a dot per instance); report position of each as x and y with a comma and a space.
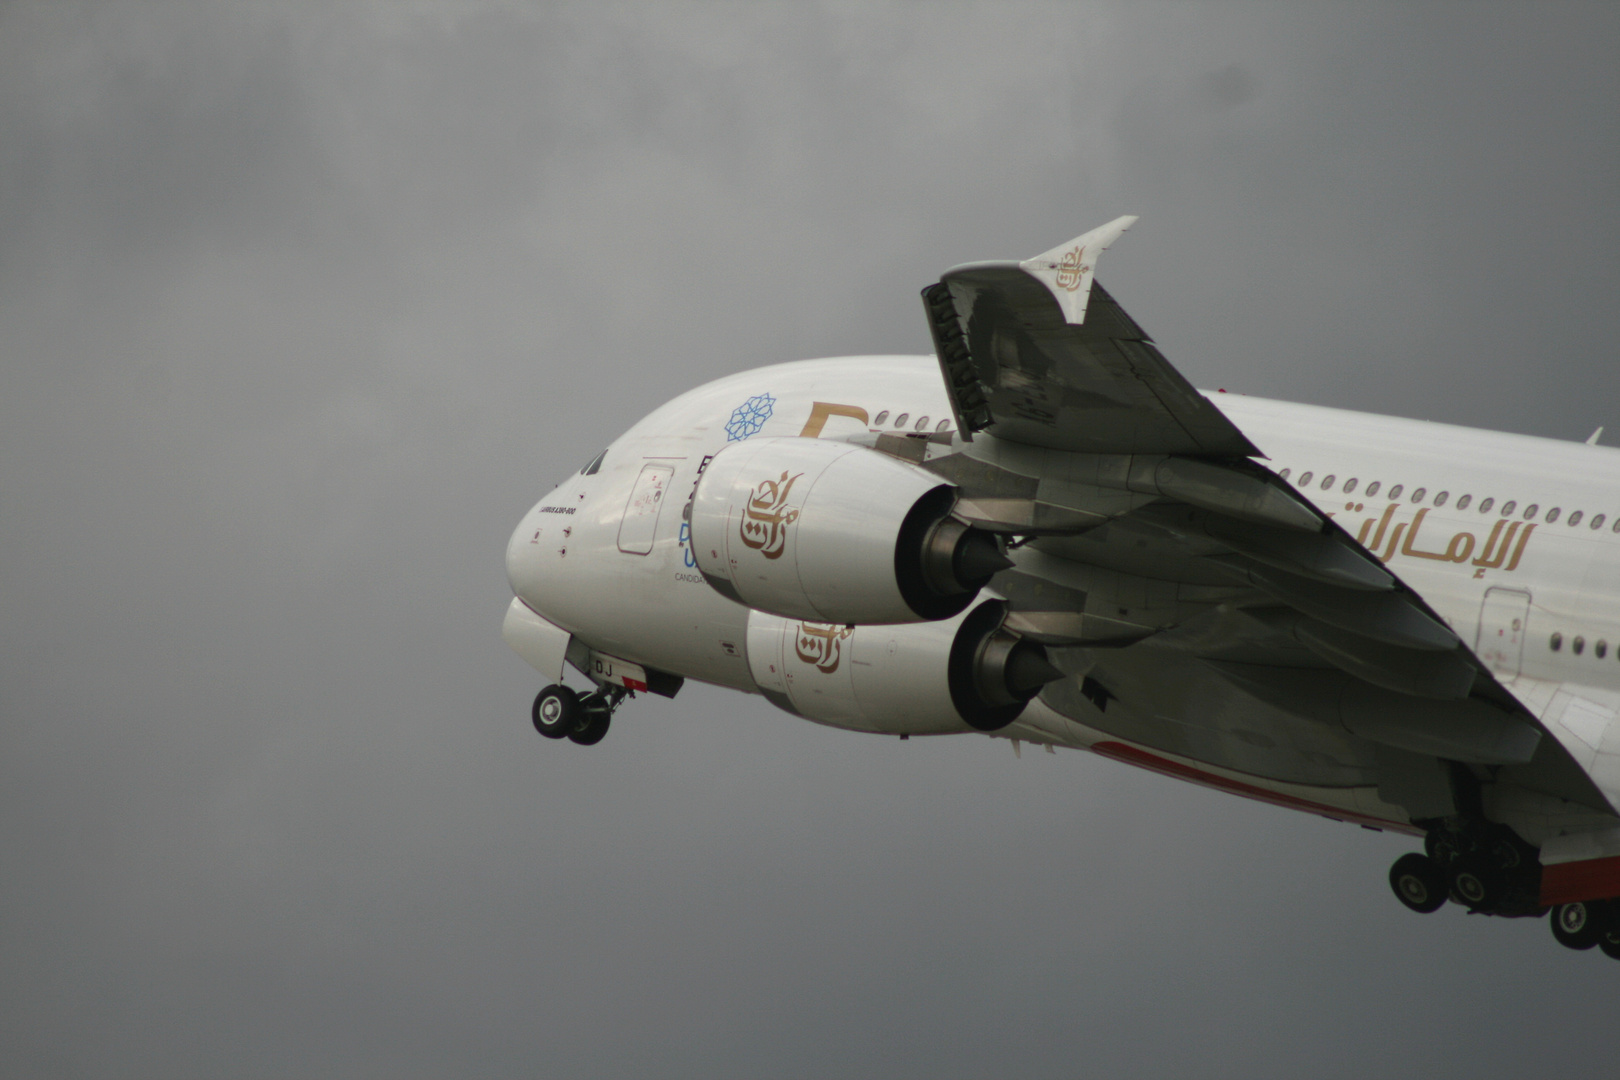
556, 711
1609, 940
595, 716
1418, 882
1473, 885
1578, 925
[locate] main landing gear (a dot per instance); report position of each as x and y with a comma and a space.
1585, 923
1486, 868
560, 713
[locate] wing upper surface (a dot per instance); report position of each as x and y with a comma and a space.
1016, 366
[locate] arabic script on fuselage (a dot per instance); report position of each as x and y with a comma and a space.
766, 517
1500, 546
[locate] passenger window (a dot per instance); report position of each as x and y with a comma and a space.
1557, 642
1485, 504
900, 421
1284, 474
1616, 526
922, 422
1462, 503
1372, 488
1507, 507
596, 463
1575, 518
1327, 482
1578, 645
1395, 492
1350, 485
1601, 649
1440, 499
1530, 512
942, 425
1305, 479
1417, 496
1552, 515
1597, 522
880, 417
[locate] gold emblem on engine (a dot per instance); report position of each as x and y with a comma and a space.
1071, 269
820, 644
766, 517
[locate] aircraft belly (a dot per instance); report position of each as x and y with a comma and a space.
1358, 803
1200, 716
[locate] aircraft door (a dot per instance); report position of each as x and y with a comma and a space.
1503, 618
640, 525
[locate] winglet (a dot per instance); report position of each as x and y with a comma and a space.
1067, 269
1596, 435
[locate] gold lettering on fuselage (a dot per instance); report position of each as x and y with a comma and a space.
766, 517
1504, 538
1457, 549
1495, 553
820, 644
822, 411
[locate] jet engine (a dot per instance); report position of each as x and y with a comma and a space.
938, 678
814, 529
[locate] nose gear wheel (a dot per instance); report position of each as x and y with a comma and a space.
556, 711
561, 713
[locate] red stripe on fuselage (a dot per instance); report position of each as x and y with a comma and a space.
1142, 759
1589, 879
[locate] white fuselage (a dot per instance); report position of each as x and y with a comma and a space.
1521, 556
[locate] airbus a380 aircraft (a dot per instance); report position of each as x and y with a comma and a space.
1044, 533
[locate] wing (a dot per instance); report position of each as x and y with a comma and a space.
1204, 608
1036, 353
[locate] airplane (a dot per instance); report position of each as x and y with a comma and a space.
1044, 533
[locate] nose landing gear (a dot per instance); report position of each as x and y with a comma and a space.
560, 713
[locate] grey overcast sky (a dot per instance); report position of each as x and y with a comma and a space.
302, 305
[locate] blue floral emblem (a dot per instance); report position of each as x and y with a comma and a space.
749, 417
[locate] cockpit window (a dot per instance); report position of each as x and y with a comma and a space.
596, 463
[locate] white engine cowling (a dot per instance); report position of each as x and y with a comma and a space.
961, 674
814, 529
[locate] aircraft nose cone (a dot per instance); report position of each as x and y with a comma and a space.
523, 558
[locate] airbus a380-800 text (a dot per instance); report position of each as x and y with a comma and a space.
1044, 533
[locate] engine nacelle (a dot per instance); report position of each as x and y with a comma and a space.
967, 673
814, 529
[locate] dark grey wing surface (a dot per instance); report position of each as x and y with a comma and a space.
1213, 613
1018, 368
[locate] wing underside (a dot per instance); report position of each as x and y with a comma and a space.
1202, 607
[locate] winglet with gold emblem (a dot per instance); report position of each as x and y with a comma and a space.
1067, 270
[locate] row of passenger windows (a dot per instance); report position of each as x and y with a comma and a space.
1463, 501
1577, 645
900, 421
